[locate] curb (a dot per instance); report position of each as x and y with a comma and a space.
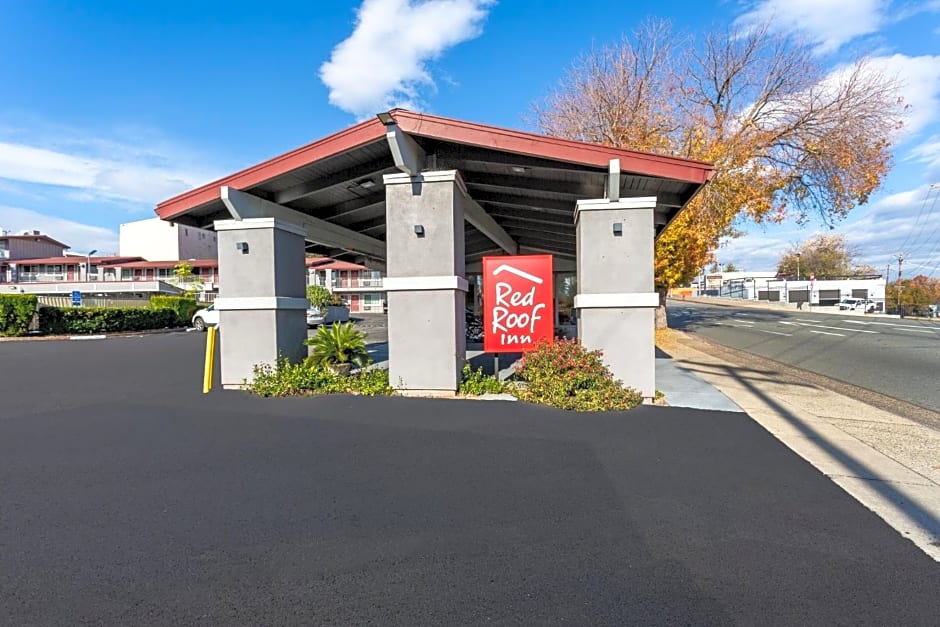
52, 338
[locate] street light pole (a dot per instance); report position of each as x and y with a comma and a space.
88, 264
797, 266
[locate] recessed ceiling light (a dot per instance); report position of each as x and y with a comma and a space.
518, 169
366, 183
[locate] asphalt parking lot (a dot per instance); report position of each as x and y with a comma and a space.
128, 497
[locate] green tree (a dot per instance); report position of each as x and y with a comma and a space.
826, 256
731, 268
185, 278
318, 296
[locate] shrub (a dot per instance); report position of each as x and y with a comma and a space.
319, 297
184, 306
16, 313
287, 379
564, 374
475, 383
338, 343
79, 320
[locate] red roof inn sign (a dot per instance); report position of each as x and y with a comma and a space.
518, 298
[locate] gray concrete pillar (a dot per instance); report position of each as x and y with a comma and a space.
616, 299
425, 283
262, 301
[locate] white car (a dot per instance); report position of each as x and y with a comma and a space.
314, 317
204, 318
857, 304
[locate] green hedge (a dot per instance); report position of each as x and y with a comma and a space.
184, 306
16, 312
79, 320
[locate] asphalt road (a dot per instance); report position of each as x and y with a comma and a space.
129, 498
897, 358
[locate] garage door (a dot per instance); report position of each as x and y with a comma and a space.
771, 295
860, 294
829, 297
798, 296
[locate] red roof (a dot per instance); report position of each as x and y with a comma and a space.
447, 129
72, 260
195, 263
326, 263
60, 260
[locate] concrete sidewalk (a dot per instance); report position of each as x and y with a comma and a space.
887, 462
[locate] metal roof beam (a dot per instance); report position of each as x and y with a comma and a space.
348, 176
507, 184
485, 224
243, 206
546, 205
408, 155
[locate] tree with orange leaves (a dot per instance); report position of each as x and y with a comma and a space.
788, 141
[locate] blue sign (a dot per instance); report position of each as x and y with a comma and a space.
76, 299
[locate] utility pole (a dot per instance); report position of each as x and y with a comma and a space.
900, 261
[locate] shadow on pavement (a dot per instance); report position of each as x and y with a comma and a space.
750, 378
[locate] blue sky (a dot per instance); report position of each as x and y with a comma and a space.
108, 107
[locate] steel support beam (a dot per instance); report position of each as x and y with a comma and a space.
485, 224
408, 155
374, 170
243, 206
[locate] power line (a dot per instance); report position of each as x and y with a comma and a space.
920, 214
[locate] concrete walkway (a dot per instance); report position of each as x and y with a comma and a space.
887, 462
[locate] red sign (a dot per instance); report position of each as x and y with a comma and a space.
812, 277
518, 298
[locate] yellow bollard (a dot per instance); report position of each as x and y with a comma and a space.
210, 359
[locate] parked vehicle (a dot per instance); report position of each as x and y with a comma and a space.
204, 318
857, 304
314, 317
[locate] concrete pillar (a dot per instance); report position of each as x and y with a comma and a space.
616, 300
425, 283
262, 302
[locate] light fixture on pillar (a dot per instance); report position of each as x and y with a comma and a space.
618, 229
366, 183
242, 246
419, 230
386, 118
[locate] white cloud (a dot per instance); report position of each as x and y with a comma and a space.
827, 24
81, 237
140, 169
384, 63
907, 222
919, 79
928, 153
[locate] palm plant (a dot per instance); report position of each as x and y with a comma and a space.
339, 344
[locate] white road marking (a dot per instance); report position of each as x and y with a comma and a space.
823, 326
827, 333
775, 332
896, 326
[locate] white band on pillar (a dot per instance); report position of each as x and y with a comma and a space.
603, 301
259, 223
415, 283
243, 303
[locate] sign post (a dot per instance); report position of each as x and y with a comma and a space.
518, 301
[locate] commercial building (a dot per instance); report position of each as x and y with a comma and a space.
155, 239
772, 287
424, 198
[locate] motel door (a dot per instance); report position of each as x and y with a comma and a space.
354, 303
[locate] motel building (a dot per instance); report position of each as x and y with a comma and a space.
359, 286
424, 199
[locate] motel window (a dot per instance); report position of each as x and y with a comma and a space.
126, 274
